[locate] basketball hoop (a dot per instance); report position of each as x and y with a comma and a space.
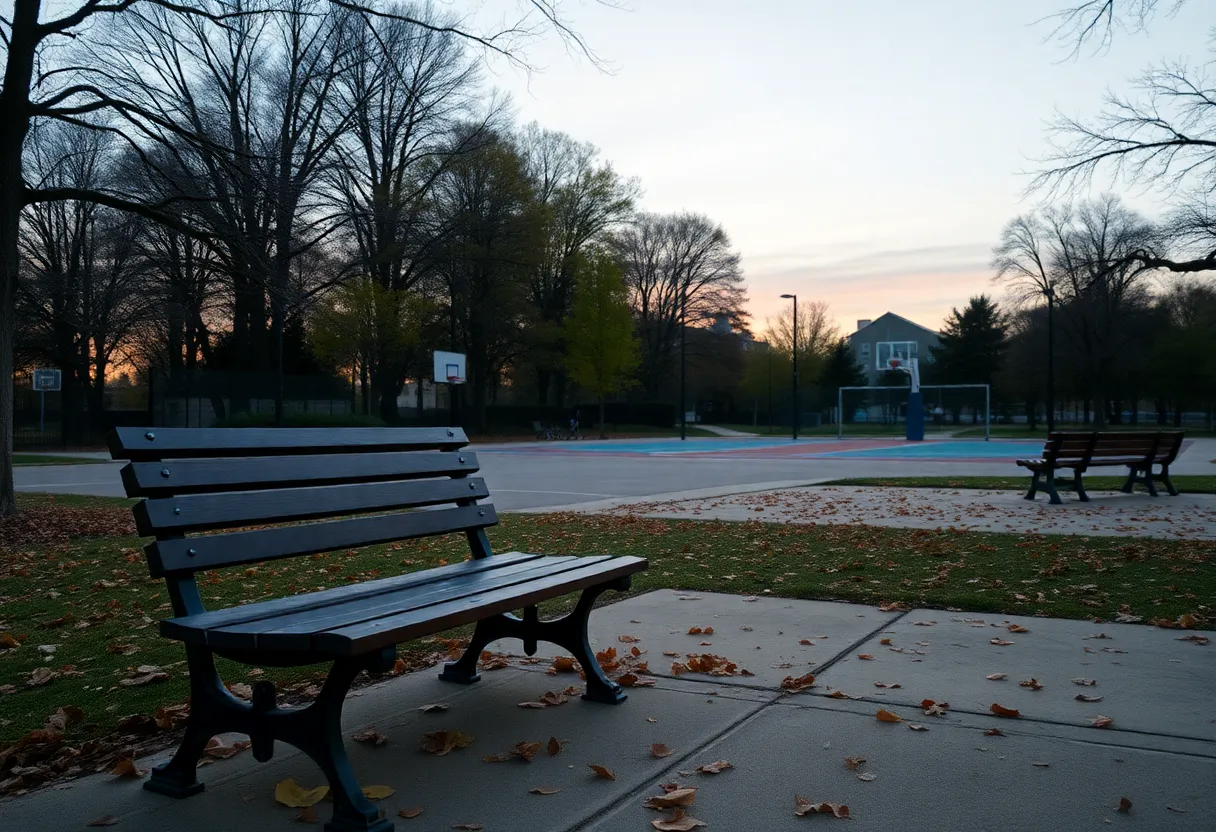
455, 379
895, 363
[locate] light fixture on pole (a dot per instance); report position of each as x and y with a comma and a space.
794, 298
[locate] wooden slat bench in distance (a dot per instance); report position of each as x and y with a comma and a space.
1138, 451
217, 498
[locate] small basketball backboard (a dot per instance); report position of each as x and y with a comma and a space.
48, 381
901, 351
449, 367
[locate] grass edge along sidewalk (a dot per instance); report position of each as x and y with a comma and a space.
1185, 483
78, 623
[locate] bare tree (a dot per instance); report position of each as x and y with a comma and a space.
681, 271
1097, 21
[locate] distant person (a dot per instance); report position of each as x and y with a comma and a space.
938, 415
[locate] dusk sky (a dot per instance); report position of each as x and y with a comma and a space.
864, 153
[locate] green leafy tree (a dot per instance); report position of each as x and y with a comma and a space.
601, 353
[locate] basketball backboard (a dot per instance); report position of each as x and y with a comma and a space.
449, 367
886, 350
48, 381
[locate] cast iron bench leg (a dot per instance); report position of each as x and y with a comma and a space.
1129, 485
1078, 487
316, 730
569, 632
1034, 485
1050, 487
1165, 480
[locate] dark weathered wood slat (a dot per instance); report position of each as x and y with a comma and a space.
394, 629
218, 511
296, 631
169, 443
236, 548
192, 629
190, 476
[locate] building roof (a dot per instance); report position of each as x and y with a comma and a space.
884, 315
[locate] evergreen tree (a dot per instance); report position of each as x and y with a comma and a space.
973, 344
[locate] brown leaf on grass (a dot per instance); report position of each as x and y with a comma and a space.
676, 798
40, 676
409, 814
602, 771
994, 732
435, 708
399, 667
1088, 683
716, 767
628, 639
854, 763
307, 815
803, 807
1101, 721
241, 691
1000, 642
145, 674
440, 743
792, 684
169, 717
290, 793
64, 718
7, 642
104, 820
1125, 805
1082, 697
543, 790
997, 677
659, 750
554, 746
888, 685
678, 822
1001, 710
865, 657
1031, 683
371, 737
125, 767
884, 715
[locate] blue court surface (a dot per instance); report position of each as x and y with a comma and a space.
947, 449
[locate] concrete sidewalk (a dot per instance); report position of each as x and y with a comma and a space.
1108, 513
1048, 769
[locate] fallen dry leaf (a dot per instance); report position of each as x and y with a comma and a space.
307, 815
997, 677
1195, 639
554, 746
884, 715
659, 750
1089, 683
803, 807
409, 814
806, 642
440, 743
886, 642
370, 737
290, 793
125, 767
1017, 628
1001, 710
537, 705
1125, 805
890, 685
994, 732
678, 822
695, 631
543, 790
1101, 721
1031, 683
854, 763
602, 771
1082, 697
562, 664
377, 792
628, 639
218, 749
791, 684
145, 674
839, 694
999, 642
41, 676
677, 798
867, 777
716, 767
865, 656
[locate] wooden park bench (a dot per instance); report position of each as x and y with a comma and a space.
1138, 451
230, 497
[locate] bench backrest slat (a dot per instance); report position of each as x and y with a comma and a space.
185, 555
1157, 446
170, 443
187, 476
205, 512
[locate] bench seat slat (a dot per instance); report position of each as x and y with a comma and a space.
215, 511
175, 443
394, 629
191, 476
298, 631
191, 629
166, 557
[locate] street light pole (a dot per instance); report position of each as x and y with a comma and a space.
795, 299
1051, 358
683, 364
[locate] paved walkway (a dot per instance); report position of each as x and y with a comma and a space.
1049, 769
1108, 513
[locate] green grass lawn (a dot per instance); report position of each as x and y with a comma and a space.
1185, 483
46, 459
72, 575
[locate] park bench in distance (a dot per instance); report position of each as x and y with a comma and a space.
1138, 451
219, 482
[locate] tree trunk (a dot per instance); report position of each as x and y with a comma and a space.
602, 434
14, 124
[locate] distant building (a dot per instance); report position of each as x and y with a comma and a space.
913, 337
